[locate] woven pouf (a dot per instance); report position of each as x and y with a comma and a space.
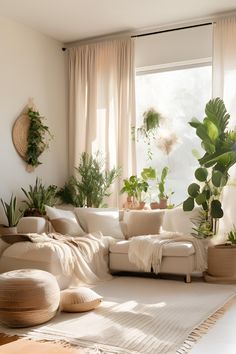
28, 297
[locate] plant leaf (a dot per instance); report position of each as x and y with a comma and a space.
188, 204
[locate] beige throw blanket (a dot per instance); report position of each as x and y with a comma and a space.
146, 251
84, 257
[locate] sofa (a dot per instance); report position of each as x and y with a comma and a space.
178, 257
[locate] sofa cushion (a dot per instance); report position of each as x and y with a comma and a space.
178, 220
67, 227
100, 219
62, 226
173, 249
143, 222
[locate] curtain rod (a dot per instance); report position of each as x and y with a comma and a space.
165, 31
171, 30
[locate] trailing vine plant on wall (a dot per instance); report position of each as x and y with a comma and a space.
37, 141
31, 136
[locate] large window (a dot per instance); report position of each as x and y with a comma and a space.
179, 95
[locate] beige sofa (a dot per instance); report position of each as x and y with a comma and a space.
178, 257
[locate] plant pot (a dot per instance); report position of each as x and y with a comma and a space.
141, 205
154, 205
221, 264
163, 203
6, 230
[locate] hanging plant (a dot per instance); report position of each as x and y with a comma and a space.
148, 130
37, 140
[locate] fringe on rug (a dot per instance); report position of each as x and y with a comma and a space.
203, 328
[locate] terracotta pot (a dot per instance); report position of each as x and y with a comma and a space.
163, 204
154, 205
5, 230
141, 205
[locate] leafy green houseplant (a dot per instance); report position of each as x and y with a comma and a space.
37, 138
219, 144
134, 187
37, 197
232, 237
91, 182
161, 185
148, 130
13, 215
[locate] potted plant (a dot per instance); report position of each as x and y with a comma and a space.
212, 175
148, 130
37, 197
222, 261
163, 195
90, 184
13, 215
161, 187
135, 186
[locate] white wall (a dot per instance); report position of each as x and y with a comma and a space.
31, 65
177, 46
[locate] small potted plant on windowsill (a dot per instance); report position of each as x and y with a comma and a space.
163, 195
13, 215
134, 187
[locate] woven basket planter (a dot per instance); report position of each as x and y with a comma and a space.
221, 264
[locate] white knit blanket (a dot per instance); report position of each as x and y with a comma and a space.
80, 257
146, 251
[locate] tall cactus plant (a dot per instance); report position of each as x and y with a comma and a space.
219, 144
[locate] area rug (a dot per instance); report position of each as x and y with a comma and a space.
138, 315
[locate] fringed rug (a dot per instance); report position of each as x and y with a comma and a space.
139, 315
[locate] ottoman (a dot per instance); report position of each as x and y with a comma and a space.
28, 297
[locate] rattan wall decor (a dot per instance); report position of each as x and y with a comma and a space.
30, 137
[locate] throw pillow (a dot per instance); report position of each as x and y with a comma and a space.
143, 222
61, 225
79, 300
67, 227
100, 219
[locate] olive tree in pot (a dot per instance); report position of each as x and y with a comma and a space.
219, 144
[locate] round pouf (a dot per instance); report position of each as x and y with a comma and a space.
28, 297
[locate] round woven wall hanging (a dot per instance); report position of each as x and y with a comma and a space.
20, 134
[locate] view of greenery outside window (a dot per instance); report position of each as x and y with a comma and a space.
178, 95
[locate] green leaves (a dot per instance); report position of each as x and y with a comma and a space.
193, 189
91, 183
216, 210
215, 110
220, 154
218, 179
201, 174
148, 173
38, 196
11, 211
37, 138
188, 204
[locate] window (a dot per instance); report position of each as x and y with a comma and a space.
179, 95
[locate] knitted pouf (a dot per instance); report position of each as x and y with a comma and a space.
28, 297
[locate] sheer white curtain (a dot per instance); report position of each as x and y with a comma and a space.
224, 86
102, 105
